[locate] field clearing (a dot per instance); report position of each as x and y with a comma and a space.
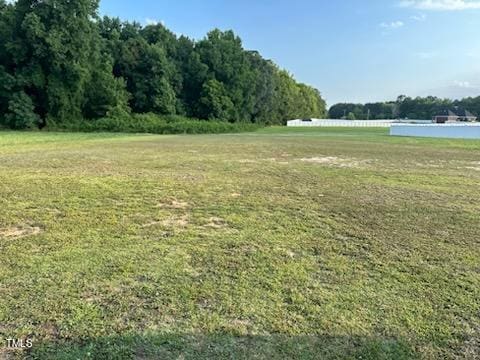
301, 243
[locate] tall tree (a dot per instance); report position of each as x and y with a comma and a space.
227, 62
214, 103
56, 49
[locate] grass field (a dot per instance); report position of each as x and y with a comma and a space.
284, 243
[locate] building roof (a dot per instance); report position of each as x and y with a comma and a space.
447, 113
464, 113
457, 112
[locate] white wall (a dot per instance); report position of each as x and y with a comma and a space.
340, 123
457, 131
351, 123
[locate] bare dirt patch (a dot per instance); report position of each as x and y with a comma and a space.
277, 161
216, 223
171, 222
270, 160
151, 224
476, 168
335, 161
176, 222
179, 204
18, 232
51, 330
174, 204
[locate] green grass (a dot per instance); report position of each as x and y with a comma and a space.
283, 243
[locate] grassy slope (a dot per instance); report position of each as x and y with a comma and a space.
115, 246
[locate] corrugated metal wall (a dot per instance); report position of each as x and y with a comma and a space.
456, 131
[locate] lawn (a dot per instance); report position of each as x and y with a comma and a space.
283, 243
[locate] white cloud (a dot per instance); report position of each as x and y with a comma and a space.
149, 21
392, 25
463, 84
442, 5
421, 17
454, 90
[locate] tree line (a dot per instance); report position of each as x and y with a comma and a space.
60, 62
418, 108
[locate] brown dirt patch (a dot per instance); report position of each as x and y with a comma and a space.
277, 161
176, 222
173, 204
18, 232
51, 330
216, 223
334, 161
172, 222
179, 204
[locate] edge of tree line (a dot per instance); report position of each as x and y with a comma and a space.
418, 108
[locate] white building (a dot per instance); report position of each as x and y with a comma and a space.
339, 123
452, 131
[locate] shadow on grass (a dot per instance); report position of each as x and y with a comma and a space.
224, 346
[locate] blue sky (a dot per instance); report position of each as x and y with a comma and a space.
351, 50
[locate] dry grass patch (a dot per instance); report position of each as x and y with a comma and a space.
476, 168
18, 232
336, 161
176, 222
174, 204
216, 223
171, 222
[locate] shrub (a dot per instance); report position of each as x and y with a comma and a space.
155, 124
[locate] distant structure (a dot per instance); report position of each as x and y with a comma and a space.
458, 130
339, 123
454, 116
386, 123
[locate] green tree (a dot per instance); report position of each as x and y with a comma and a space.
264, 109
194, 74
215, 103
227, 62
56, 50
146, 70
104, 94
21, 114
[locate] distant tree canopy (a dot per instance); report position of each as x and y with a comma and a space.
60, 62
419, 108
